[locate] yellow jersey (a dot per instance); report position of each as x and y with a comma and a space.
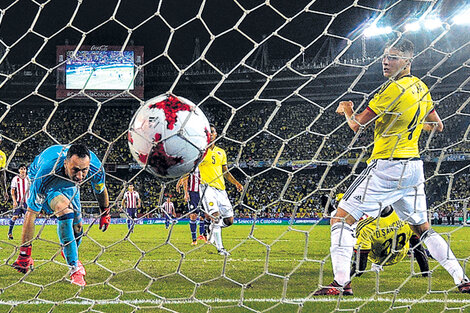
3, 159
388, 242
401, 106
211, 168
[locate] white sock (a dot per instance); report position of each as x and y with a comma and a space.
217, 236
342, 246
441, 252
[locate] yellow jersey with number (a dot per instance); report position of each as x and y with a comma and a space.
401, 106
211, 168
3, 159
388, 242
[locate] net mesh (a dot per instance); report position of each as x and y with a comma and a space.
269, 75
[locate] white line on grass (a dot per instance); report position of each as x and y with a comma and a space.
268, 300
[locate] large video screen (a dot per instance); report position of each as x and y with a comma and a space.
100, 72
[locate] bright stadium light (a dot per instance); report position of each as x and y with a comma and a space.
373, 30
432, 23
462, 17
412, 27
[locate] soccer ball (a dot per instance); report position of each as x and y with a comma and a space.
169, 135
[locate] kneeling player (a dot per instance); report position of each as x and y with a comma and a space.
386, 242
55, 175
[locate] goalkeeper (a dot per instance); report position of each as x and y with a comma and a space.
56, 175
386, 241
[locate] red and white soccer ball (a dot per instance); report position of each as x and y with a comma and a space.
169, 135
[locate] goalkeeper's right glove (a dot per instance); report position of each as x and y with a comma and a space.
24, 262
105, 219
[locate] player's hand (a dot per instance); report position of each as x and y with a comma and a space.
5, 196
105, 219
239, 187
24, 262
342, 105
186, 196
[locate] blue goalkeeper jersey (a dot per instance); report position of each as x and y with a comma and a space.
48, 179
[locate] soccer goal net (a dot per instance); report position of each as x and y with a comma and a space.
269, 75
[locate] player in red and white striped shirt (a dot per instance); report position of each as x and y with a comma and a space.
131, 201
169, 211
19, 192
190, 185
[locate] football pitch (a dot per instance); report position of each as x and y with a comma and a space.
271, 268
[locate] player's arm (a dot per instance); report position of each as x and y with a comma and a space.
433, 121
103, 202
13, 197
24, 262
354, 121
420, 255
228, 176
183, 182
5, 185
139, 202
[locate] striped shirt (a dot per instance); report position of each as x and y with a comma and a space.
169, 207
194, 180
132, 199
21, 186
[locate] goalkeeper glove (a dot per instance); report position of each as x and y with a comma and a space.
24, 262
105, 219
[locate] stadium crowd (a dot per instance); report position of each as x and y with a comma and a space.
300, 130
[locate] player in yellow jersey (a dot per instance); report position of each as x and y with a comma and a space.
394, 175
3, 164
219, 212
386, 241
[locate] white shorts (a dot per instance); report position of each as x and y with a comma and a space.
215, 200
399, 183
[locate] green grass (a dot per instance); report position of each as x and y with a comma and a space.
146, 271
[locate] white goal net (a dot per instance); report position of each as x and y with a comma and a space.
269, 76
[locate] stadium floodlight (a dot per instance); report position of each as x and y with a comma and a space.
432, 23
373, 30
412, 27
462, 17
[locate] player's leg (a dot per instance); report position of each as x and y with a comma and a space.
211, 205
202, 227
193, 213
226, 217
62, 207
441, 251
193, 228
11, 225
350, 209
412, 208
167, 221
129, 223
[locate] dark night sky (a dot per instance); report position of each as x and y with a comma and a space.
218, 16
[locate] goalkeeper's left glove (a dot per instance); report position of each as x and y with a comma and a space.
105, 219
